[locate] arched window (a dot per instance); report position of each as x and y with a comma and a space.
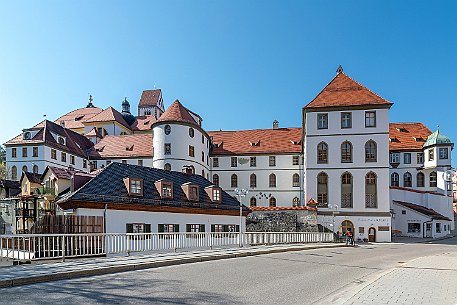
167, 167
14, 172
272, 201
346, 190
370, 190
35, 169
347, 226
296, 202
234, 181
407, 180
370, 151
322, 152
253, 202
433, 177
272, 180
25, 169
322, 190
394, 179
253, 180
420, 179
216, 179
296, 180
346, 152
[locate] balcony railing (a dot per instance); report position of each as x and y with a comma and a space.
46, 191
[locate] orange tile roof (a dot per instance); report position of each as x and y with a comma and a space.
304, 208
143, 122
150, 97
75, 118
177, 113
258, 141
126, 146
93, 133
343, 91
403, 136
108, 115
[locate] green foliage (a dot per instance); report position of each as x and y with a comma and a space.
3, 171
2, 155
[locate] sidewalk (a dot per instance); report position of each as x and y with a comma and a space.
30, 274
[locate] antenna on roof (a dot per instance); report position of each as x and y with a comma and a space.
339, 70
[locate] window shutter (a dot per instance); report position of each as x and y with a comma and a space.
160, 228
237, 229
202, 228
187, 227
147, 228
213, 228
176, 227
129, 228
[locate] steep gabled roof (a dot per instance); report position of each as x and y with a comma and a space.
143, 123
257, 141
76, 118
108, 115
423, 210
126, 146
407, 136
150, 97
32, 177
177, 113
61, 173
343, 91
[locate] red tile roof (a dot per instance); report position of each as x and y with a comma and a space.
177, 113
127, 146
75, 118
150, 97
143, 123
403, 136
93, 133
343, 91
423, 210
108, 115
415, 191
258, 141
304, 208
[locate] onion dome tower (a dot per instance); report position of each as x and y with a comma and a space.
128, 117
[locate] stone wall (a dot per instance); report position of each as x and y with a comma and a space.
282, 221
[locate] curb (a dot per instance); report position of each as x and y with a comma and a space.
21, 281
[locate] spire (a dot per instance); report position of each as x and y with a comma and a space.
90, 105
125, 106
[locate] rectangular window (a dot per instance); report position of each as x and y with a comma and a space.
215, 162
407, 158
191, 151
322, 121
361, 230
193, 193
394, 158
138, 228
85, 163
431, 154
438, 228
13, 152
253, 162
414, 227
370, 119
403, 212
53, 154
195, 228
35, 152
272, 161
124, 161
136, 187
420, 158
167, 191
216, 195
217, 228
443, 153
168, 228
203, 156
346, 120
234, 161
167, 148
140, 162
63, 157
72, 160
295, 160
24, 152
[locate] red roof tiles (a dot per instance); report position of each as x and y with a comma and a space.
423, 210
177, 113
258, 141
127, 146
304, 208
108, 115
75, 118
407, 136
343, 91
150, 97
143, 123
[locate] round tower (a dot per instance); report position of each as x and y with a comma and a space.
180, 143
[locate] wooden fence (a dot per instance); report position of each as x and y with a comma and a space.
71, 224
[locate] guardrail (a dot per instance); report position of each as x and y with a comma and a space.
29, 247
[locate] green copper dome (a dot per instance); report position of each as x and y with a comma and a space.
437, 138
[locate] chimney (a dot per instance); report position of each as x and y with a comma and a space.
275, 124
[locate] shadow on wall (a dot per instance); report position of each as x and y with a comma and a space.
282, 221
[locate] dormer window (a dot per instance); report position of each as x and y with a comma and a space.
393, 140
419, 139
134, 186
165, 189
214, 193
255, 143
295, 142
79, 118
400, 129
61, 140
27, 135
191, 191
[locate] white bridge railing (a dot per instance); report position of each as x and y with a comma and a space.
52, 246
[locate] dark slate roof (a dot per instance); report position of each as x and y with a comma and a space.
32, 177
423, 210
108, 187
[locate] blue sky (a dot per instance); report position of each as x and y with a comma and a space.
239, 64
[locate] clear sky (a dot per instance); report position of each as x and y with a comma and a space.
239, 64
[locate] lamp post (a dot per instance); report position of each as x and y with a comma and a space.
241, 193
334, 208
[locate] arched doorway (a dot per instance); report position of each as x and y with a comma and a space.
372, 234
345, 225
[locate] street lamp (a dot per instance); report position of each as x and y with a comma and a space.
240, 194
334, 208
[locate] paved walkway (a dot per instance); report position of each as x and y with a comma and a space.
426, 280
29, 274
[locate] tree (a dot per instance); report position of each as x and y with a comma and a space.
3, 171
2, 155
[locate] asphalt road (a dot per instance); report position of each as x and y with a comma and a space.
302, 277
